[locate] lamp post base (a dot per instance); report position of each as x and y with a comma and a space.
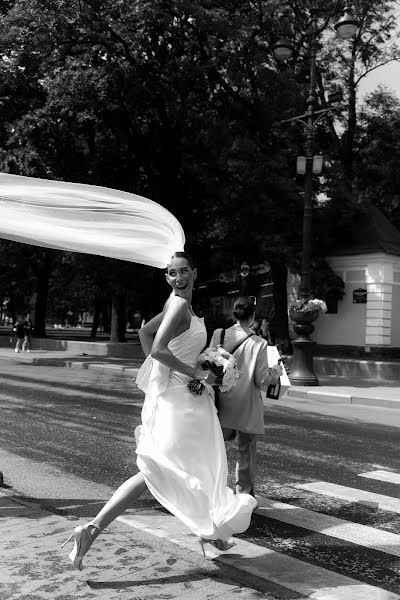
302, 363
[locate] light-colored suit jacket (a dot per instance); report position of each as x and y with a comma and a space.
242, 407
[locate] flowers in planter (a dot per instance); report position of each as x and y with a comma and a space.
308, 306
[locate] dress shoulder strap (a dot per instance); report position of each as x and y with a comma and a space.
221, 341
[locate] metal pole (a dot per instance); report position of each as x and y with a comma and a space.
305, 281
302, 367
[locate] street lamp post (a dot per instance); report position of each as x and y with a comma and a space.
302, 364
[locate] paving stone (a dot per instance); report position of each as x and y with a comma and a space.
16, 510
31, 529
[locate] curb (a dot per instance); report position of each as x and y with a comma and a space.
81, 364
329, 397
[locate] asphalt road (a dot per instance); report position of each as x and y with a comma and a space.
67, 438
82, 422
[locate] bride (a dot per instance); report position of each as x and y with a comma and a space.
180, 448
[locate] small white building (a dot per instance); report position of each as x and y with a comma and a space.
370, 269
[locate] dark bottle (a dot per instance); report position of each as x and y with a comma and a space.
273, 390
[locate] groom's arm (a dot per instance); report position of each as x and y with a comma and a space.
264, 374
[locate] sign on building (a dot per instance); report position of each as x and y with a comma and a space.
360, 296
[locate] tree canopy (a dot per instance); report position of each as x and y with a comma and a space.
181, 102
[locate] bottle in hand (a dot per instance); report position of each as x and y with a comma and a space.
273, 390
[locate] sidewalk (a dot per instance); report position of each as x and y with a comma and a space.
59, 358
340, 390
124, 563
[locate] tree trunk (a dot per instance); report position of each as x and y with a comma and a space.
96, 319
105, 317
122, 318
42, 295
351, 127
12, 311
118, 318
279, 324
114, 320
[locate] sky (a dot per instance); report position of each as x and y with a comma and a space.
388, 75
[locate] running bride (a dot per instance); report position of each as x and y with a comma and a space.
180, 447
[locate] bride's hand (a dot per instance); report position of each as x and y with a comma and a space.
205, 375
211, 378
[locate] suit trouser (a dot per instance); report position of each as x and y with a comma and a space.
246, 463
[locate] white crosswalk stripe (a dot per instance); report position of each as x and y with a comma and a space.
352, 495
370, 537
380, 475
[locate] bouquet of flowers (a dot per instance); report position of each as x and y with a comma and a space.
309, 306
222, 364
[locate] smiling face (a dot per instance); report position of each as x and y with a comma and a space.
181, 277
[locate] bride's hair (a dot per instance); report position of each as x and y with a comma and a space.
186, 256
244, 308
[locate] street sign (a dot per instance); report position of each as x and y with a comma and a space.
360, 296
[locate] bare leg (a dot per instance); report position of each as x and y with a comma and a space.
84, 535
124, 497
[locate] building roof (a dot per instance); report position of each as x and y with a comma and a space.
373, 233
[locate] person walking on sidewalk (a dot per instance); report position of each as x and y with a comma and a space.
180, 447
20, 333
241, 409
26, 346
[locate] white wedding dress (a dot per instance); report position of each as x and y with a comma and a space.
180, 448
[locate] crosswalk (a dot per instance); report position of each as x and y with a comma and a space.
370, 565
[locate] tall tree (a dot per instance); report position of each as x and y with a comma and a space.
376, 164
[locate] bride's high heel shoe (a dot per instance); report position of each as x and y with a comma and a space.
82, 542
221, 545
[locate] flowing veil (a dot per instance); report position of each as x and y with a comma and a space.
89, 219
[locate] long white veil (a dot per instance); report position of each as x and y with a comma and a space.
89, 219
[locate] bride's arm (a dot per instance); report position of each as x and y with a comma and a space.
148, 331
174, 315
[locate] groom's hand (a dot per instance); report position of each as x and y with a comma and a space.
276, 371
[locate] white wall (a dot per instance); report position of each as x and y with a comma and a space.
370, 324
396, 315
347, 327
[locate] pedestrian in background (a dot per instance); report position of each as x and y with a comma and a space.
241, 410
26, 346
20, 333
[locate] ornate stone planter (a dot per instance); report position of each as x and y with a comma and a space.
301, 316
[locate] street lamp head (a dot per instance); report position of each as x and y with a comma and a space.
283, 49
347, 25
